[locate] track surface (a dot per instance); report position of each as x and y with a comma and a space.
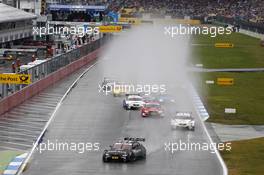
89, 116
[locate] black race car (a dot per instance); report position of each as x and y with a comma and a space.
127, 150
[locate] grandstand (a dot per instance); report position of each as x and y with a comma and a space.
248, 14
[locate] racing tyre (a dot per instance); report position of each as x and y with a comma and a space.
125, 160
105, 160
124, 105
144, 156
191, 128
132, 158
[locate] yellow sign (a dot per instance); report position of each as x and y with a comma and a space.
134, 21
178, 21
225, 81
15, 78
224, 45
110, 29
128, 11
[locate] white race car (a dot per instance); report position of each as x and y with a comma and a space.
183, 120
133, 102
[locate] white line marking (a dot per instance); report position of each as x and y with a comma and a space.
9, 172
15, 163
22, 155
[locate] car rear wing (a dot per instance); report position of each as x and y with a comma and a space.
135, 139
138, 94
183, 114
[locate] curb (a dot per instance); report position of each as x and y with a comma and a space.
15, 164
198, 104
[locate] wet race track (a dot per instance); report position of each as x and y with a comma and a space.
87, 116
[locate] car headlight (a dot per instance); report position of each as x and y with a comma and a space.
106, 154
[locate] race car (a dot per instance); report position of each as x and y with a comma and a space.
164, 98
108, 83
127, 150
149, 98
133, 102
119, 89
152, 109
183, 120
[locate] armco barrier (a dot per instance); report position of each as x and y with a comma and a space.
20, 96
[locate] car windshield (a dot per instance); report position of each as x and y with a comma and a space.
183, 117
152, 105
135, 99
123, 146
149, 98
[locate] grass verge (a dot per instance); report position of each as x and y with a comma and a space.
246, 95
6, 157
247, 52
245, 158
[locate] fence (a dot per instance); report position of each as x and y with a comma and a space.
246, 25
40, 71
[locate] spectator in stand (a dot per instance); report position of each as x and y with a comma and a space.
248, 10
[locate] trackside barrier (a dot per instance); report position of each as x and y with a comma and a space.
89, 54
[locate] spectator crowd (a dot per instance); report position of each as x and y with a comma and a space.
248, 10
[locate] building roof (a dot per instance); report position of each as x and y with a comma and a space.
9, 14
57, 7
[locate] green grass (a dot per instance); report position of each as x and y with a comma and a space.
247, 52
246, 157
246, 95
6, 157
